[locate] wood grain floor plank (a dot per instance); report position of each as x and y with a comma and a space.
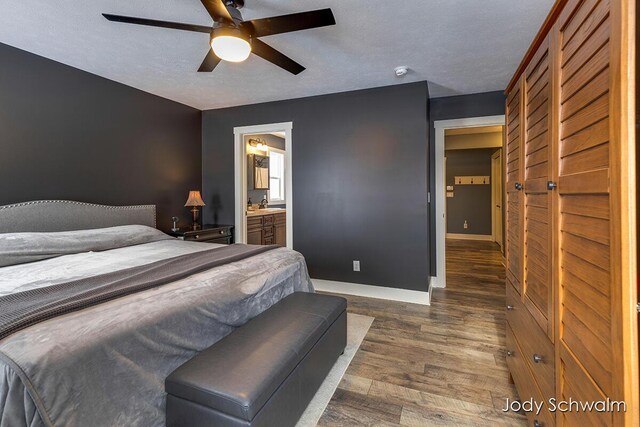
442, 364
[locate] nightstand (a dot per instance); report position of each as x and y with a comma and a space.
210, 233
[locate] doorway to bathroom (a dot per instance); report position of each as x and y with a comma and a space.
263, 184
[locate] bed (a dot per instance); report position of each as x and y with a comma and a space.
105, 364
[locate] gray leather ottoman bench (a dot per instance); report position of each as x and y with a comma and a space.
264, 373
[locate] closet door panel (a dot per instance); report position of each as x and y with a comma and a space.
590, 342
571, 232
537, 289
513, 185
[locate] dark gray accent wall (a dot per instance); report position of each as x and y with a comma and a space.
455, 107
471, 203
359, 180
68, 134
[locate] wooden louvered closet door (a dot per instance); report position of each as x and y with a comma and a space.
538, 216
513, 186
571, 232
593, 242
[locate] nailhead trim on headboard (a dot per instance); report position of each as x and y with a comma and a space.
70, 202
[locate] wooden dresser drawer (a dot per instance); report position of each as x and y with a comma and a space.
210, 233
218, 233
525, 383
538, 350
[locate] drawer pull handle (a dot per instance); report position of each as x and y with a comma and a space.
509, 353
509, 307
551, 185
221, 231
536, 423
197, 236
537, 358
519, 186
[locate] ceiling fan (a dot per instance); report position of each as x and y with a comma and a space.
233, 39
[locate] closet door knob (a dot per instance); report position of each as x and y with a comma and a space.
518, 186
537, 358
509, 353
551, 185
509, 307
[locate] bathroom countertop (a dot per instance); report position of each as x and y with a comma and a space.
261, 212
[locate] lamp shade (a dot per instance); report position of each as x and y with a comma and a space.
195, 199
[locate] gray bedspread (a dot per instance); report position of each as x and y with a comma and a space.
106, 365
20, 248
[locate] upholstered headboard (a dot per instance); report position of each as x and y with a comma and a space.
65, 215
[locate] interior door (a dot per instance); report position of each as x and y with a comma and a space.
496, 187
538, 186
514, 184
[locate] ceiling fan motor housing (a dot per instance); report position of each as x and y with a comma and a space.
235, 14
231, 32
237, 4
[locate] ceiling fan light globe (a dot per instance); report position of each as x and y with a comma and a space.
231, 48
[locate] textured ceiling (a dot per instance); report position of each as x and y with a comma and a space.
458, 46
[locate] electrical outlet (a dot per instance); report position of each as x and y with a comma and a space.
466, 225
356, 265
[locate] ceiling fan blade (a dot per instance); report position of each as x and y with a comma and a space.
217, 10
154, 23
293, 22
210, 62
265, 51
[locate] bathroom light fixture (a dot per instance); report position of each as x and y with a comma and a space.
230, 44
258, 144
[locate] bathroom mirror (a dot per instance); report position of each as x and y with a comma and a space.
260, 172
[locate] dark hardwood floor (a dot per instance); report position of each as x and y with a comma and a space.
442, 364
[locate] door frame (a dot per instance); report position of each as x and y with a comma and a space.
496, 177
440, 279
240, 176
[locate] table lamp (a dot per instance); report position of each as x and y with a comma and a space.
194, 202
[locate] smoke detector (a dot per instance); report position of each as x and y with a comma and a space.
401, 71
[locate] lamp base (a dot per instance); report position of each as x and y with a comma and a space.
195, 212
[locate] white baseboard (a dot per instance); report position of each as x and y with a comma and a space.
434, 283
456, 236
393, 294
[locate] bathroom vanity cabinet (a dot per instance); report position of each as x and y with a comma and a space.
267, 229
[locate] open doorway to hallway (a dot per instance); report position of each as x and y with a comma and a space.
469, 185
473, 179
